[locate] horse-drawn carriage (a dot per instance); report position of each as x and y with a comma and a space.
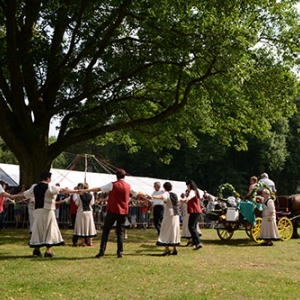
231, 214
289, 206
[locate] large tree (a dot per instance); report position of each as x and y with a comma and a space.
149, 71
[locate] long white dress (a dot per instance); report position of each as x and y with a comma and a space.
30, 207
45, 230
84, 223
268, 229
185, 221
170, 226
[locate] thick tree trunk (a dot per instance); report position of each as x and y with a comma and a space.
32, 166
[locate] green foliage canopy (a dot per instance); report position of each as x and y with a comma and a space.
140, 69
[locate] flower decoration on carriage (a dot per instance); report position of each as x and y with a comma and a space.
228, 187
253, 195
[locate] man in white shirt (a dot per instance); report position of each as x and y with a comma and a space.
264, 178
158, 207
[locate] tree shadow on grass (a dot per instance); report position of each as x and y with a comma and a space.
35, 258
238, 242
147, 246
16, 240
151, 248
9, 256
140, 254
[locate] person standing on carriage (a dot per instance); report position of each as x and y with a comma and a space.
253, 182
268, 229
264, 178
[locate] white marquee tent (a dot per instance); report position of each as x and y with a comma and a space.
7, 178
70, 179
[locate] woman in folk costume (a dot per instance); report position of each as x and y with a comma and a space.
185, 220
268, 228
194, 210
85, 224
45, 230
169, 235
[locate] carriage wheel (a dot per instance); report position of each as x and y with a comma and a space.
285, 228
255, 231
224, 234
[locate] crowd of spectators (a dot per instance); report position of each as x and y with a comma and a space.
18, 213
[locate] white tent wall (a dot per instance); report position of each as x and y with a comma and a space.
7, 179
12, 171
70, 179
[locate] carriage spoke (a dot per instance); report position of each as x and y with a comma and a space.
285, 228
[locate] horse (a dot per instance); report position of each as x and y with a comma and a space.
293, 202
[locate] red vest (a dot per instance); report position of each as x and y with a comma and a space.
2, 199
73, 206
118, 198
193, 205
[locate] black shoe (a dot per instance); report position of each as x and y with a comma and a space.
37, 253
174, 252
166, 253
189, 244
198, 247
48, 254
263, 244
266, 244
120, 255
99, 254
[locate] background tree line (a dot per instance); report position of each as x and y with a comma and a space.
190, 89
210, 163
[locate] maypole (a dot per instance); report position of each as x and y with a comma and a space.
85, 167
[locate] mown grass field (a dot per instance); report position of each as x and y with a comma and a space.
235, 269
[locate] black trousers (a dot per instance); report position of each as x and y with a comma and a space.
1, 220
75, 237
73, 220
193, 221
158, 214
108, 224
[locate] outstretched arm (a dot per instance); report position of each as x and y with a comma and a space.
67, 191
5, 194
96, 189
158, 197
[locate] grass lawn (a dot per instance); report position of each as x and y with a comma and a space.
235, 269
